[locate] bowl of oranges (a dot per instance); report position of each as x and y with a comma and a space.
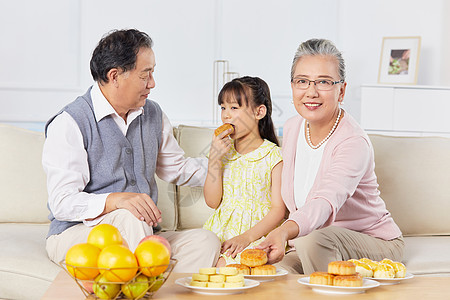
105, 268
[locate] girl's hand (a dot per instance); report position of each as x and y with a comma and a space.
274, 245
220, 145
235, 245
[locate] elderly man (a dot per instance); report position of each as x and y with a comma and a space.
102, 152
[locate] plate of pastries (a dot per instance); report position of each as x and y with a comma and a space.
217, 281
384, 271
341, 278
254, 266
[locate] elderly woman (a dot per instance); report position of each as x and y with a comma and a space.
328, 180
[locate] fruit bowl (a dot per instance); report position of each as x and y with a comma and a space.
141, 286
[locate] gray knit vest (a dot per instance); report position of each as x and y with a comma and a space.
117, 163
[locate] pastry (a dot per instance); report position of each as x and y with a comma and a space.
362, 268
370, 262
341, 268
235, 278
400, 270
207, 271
217, 278
348, 281
386, 261
253, 257
264, 270
200, 277
228, 278
384, 271
199, 283
228, 271
223, 128
242, 269
321, 278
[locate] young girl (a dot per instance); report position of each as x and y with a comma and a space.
244, 172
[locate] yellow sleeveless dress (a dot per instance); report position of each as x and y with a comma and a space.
246, 196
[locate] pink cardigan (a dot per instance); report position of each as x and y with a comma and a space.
345, 192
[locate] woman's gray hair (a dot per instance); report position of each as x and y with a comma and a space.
319, 47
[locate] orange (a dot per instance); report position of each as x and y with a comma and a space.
120, 260
81, 261
105, 235
153, 257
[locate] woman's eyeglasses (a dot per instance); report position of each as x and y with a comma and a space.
321, 84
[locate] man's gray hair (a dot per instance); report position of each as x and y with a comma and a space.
319, 47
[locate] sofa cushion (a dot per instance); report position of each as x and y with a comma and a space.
425, 255
192, 208
25, 270
413, 174
23, 190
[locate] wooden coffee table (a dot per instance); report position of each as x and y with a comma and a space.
285, 287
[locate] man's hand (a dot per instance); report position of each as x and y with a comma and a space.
235, 245
140, 205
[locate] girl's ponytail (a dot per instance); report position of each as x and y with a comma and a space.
261, 96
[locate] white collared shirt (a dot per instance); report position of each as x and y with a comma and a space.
102, 108
65, 162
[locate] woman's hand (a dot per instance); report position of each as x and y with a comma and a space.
274, 245
235, 245
275, 242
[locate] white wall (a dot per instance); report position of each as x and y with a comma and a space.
363, 24
46, 47
40, 58
259, 38
445, 57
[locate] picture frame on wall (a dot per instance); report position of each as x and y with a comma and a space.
399, 60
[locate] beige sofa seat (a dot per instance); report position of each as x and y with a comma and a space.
414, 178
427, 255
25, 270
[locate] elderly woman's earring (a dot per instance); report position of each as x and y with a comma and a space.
292, 101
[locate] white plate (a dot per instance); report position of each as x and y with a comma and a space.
185, 282
262, 278
389, 281
330, 289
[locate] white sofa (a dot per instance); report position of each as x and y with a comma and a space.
414, 177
